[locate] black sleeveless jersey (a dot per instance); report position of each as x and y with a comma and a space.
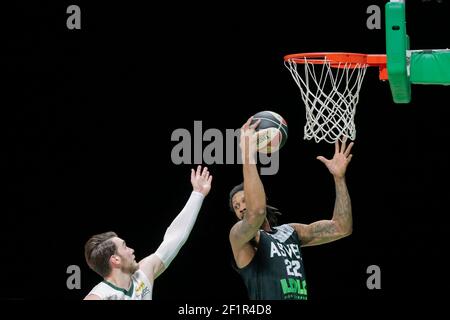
276, 271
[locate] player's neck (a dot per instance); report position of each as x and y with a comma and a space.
119, 279
266, 226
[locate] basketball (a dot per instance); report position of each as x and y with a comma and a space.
272, 131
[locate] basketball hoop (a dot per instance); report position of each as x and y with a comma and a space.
329, 84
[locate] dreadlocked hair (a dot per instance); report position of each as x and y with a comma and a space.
272, 213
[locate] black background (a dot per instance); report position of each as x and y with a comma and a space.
86, 123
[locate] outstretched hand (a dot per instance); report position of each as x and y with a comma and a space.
201, 180
342, 157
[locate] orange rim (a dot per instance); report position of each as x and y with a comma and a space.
341, 60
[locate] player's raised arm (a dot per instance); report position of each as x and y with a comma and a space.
254, 213
178, 232
341, 223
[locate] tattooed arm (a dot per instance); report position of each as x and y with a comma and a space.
340, 225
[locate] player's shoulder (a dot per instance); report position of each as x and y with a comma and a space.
98, 292
139, 275
238, 228
234, 228
92, 296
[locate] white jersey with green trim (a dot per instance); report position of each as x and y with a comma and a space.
140, 289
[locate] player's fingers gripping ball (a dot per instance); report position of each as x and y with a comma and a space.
272, 131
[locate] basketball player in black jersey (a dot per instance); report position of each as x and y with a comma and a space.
268, 257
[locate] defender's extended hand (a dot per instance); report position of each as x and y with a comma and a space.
201, 180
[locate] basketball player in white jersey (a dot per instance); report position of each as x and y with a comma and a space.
111, 258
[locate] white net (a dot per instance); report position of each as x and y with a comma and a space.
330, 93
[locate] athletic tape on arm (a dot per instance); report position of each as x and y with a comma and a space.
180, 228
